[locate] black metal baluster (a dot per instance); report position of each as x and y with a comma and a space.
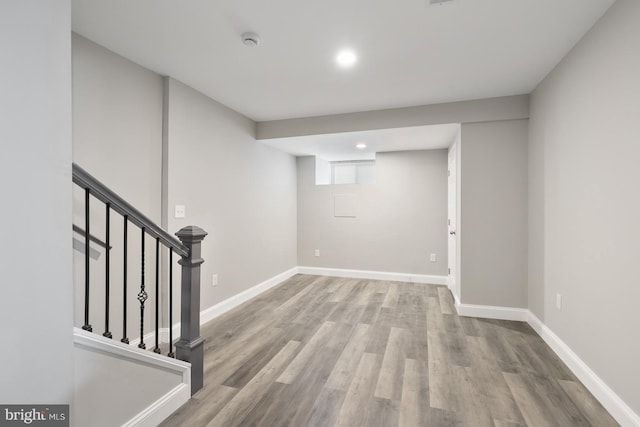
171, 354
157, 349
124, 282
86, 326
142, 295
107, 333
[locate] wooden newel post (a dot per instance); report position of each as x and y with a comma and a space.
190, 347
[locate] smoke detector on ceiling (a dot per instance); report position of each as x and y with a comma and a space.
250, 39
438, 2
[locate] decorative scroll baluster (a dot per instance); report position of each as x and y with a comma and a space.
107, 333
142, 295
124, 282
190, 346
87, 221
171, 353
157, 348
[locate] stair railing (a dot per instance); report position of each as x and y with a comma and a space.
190, 346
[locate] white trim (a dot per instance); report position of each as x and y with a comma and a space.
374, 275
164, 334
230, 303
159, 410
149, 337
456, 300
618, 409
162, 408
492, 312
93, 341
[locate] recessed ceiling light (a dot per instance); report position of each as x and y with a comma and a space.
346, 58
361, 146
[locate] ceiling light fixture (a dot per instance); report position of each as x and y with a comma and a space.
346, 58
250, 39
361, 146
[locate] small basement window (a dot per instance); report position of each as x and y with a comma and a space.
353, 172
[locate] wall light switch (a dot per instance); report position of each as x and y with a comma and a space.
180, 211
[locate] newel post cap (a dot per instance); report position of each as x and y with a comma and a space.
191, 234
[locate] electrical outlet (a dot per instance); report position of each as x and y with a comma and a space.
433, 258
316, 252
214, 280
558, 301
180, 211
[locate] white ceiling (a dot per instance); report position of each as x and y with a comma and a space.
409, 54
342, 146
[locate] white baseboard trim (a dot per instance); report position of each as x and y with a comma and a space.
492, 312
164, 334
230, 303
456, 301
158, 411
374, 275
622, 413
618, 409
149, 339
222, 307
451, 287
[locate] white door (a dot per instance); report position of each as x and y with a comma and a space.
452, 197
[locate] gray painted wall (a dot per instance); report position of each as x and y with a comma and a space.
117, 124
117, 137
401, 218
241, 192
584, 127
35, 182
493, 228
583, 216
535, 282
112, 390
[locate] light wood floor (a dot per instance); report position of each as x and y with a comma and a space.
321, 351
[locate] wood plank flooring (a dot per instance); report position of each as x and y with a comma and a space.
321, 351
